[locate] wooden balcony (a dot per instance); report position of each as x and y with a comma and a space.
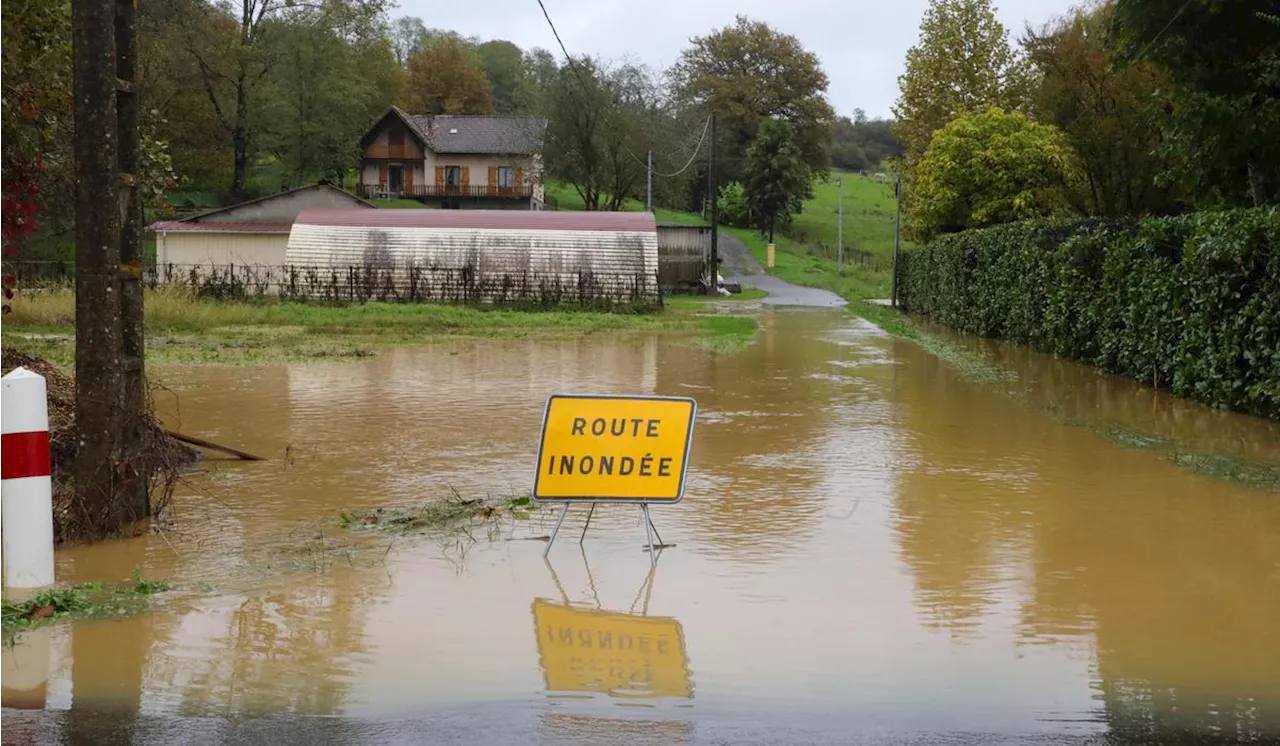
406, 151
438, 191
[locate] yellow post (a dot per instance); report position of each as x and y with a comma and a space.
770, 255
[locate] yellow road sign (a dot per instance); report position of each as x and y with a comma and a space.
614, 449
605, 652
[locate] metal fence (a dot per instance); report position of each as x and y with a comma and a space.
403, 283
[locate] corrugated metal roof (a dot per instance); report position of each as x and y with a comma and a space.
531, 220
182, 226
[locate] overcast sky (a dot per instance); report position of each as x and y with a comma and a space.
861, 43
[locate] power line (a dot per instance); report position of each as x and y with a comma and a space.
697, 148
573, 66
567, 56
1159, 33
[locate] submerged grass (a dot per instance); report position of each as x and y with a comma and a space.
727, 333
79, 601
452, 513
182, 327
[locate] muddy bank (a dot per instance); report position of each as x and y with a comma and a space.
166, 455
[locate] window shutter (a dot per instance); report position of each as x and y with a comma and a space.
408, 179
382, 176
440, 176
466, 176
493, 179
519, 181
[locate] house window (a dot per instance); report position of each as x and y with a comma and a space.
453, 176
506, 176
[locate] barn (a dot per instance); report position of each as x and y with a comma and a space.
253, 233
475, 256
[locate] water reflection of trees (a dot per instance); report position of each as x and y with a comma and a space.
964, 497
1172, 574
293, 649
757, 464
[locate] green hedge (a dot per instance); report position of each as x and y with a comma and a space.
1190, 302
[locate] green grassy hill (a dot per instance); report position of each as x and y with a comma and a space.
807, 256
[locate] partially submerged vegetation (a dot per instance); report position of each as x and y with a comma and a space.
452, 513
79, 601
727, 333
183, 327
166, 456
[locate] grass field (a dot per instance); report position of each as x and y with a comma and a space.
807, 256
184, 328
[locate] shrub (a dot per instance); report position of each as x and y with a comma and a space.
732, 205
1190, 302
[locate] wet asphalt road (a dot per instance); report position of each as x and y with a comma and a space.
738, 265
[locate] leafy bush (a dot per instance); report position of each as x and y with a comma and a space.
989, 167
1190, 302
732, 205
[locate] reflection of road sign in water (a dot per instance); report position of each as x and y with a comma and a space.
586, 650
614, 448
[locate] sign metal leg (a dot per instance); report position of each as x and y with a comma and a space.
648, 529
586, 525
556, 530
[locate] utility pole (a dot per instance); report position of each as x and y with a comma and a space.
897, 223
840, 226
99, 384
649, 201
715, 215
136, 477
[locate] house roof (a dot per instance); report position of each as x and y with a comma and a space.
638, 222
466, 134
183, 226
450, 133
201, 221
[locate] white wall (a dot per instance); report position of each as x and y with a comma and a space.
181, 247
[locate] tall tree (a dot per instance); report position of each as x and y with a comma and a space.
326, 92
748, 72
503, 65
595, 128
776, 178
442, 79
408, 35
35, 154
1221, 126
990, 167
236, 48
1106, 110
962, 63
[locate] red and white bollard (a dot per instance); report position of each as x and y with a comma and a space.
26, 507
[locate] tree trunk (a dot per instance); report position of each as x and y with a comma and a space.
136, 477
240, 141
1257, 184
98, 328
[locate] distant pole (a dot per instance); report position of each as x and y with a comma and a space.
649, 202
897, 224
840, 227
715, 215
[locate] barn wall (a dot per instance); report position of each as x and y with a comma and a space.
285, 207
682, 255
619, 264
183, 248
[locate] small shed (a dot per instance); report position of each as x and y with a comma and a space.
481, 256
250, 233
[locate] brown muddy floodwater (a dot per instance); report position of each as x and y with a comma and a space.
874, 546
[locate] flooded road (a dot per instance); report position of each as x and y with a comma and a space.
873, 548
